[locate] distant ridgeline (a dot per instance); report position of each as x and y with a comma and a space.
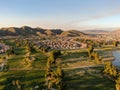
28, 31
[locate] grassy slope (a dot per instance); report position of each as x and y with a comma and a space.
28, 78
73, 79
88, 79
15, 61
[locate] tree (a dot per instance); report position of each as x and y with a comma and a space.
115, 43
118, 83
54, 55
16, 84
90, 50
59, 71
53, 74
97, 59
59, 78
110, 69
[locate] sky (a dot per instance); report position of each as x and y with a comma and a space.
61, 14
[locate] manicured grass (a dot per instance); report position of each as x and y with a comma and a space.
71, 55
87, 80
15, 61
28, 79
40, 61
74, 79
105, 54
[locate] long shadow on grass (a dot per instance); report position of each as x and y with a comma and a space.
87, 82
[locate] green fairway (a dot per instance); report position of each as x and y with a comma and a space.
27, 68
87, 79
28, 79
15, 61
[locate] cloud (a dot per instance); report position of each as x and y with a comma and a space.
82, 22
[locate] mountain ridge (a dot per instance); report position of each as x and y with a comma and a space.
38, 31
28, 31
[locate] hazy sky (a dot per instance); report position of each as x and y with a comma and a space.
64, 14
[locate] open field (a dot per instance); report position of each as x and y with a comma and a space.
28, 79
83, 74
87, 79
15, 61
80, 72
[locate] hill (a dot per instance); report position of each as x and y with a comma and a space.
96, 32
29, 31
72, 33
115, 33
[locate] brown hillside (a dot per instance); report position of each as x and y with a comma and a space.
28, 31
72, 33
